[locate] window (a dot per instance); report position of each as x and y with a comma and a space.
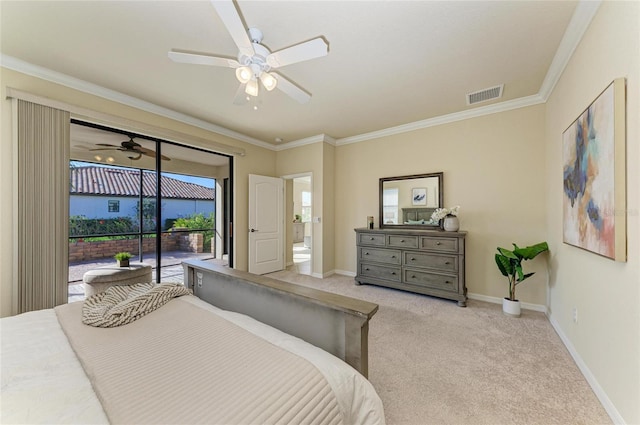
390, 209
306, 207
114, 206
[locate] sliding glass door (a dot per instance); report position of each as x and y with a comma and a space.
155, 199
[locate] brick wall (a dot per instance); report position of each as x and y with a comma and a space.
85, 251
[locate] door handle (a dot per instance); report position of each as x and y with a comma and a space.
253, 230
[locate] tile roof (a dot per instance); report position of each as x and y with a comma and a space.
122, 182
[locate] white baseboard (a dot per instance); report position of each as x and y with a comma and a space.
332, 272
495, 300
611, 410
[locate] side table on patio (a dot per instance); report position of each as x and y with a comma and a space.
98, 280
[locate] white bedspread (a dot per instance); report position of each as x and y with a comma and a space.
42, 379
43, 382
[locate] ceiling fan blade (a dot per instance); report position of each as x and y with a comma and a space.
291, 89
105, 149
202, 59
300, 52
231, 19
241, 96
107, 144
148, 152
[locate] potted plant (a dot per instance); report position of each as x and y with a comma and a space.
123, 259
510, 265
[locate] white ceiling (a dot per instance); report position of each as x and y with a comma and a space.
390, 63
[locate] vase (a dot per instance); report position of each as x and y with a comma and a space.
451, 223
511, 308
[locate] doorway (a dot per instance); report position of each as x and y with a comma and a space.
299, 231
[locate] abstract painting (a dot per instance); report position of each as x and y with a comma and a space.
594, 210
419, 196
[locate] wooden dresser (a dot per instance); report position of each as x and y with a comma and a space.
429, 262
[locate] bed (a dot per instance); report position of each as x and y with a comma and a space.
189, 362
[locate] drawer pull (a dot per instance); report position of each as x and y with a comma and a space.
393, 256
401, 240
413, 276
393, 273
446, 281
366, 253
373, 239
413, 259
438, 243
367, 268
447, 263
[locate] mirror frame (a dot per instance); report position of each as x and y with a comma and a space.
439, 175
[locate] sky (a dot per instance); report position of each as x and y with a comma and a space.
202, 181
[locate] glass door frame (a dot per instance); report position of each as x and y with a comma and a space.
158, 198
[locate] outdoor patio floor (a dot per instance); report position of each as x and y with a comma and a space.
171, 270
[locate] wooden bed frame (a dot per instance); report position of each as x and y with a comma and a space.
335, 323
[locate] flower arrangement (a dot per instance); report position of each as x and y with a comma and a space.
441, 213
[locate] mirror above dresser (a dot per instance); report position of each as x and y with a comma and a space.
409, 201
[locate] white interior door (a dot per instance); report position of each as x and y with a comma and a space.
266, 224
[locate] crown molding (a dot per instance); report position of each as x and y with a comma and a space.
325, 138
582, 17
445, 119
23, 67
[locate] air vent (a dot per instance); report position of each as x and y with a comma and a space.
485, 95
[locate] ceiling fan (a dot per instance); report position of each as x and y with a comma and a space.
130, 146
254, 61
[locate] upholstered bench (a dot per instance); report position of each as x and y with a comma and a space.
98, 280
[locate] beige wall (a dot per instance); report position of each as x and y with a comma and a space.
302, 160
492, 168
256, 161
318, 159
606, 293
328, 209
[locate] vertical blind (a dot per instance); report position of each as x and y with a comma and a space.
43, 206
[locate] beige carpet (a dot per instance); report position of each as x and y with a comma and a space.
433, 362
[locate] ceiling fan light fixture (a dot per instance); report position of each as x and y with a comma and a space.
252, 87
268, 80
244, 74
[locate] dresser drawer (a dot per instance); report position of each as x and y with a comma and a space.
430, 280
377, 255
439, 244
446, 263
381, 272
398, 241
376, 239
